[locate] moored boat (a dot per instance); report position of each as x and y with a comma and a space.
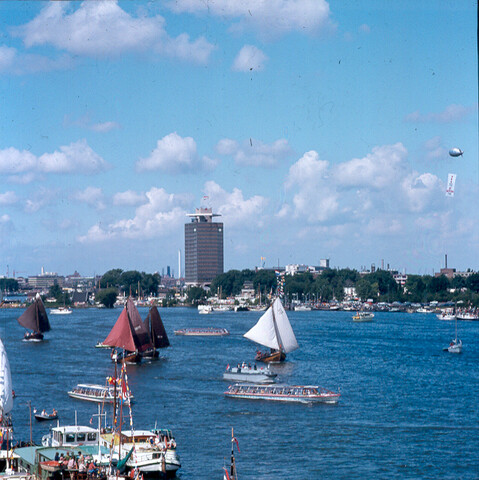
99, 393
208, 332
283, 393
273, 330
248, 373
204, 309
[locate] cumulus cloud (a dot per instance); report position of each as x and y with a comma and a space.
92, 196
128, 198
452, 113
381, 183
249, 58
377, 169
161, 214
104, 29
8, 198
78, 157
239, 211
175, 154
254, 152
268, 17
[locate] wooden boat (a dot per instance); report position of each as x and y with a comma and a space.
129, 334
209, 332
273, 330
283, 393
99, 393
35, 318
44, 416
248, 373
157, 333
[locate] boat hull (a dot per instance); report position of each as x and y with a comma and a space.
320, 399
44, 418
268, 357
33, 337
249, 377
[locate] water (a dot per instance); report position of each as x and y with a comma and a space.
408, 410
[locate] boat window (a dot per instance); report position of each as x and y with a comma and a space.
92, 437
70, 438
81, 437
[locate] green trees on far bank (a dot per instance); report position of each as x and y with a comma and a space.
107, 297
129, 281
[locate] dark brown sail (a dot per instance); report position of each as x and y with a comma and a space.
155, 327
129, 332
35, 317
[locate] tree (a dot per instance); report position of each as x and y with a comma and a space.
472, 282
107, 297
8, 284
111, 278
196, 295
150, 283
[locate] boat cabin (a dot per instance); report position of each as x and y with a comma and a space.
74, 435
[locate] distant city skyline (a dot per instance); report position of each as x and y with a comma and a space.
316, 129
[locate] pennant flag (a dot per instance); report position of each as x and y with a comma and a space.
451, 183
226, 475
237, 444
91, 420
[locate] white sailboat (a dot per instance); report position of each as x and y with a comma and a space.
6, 392
273, 330
456, 345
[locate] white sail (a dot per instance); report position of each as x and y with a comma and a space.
273, 330
285, 331
6, 395
264, 332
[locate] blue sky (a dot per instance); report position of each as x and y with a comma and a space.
317, 129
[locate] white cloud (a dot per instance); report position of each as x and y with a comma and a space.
172, 154
8, 198
104, 29
378, 169
249, 58
269, 17
162, 214
23, 166
435, 149
77, 157
421, 191
452, 113
92, 196
175, 154
238, 211
104, 126
15, 63
254, 152
128, 198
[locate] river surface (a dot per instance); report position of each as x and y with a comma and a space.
408, 410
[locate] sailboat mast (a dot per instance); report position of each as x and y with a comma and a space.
232, 466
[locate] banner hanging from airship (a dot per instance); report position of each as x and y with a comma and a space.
451, 183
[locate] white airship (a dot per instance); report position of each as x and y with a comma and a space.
455, 152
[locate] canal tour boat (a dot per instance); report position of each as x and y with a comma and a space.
248, 373
197, 332
283, 393
99, 393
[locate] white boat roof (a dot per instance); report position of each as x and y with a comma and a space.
75, 429
91, 385
130, 433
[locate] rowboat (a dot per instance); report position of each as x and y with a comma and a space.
197, 332
283, 393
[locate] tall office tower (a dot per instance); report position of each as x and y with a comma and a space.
203, 247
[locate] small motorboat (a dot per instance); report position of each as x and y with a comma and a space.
44, 416
363, 317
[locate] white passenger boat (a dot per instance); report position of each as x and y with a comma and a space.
202, 332
363, 317
248, 373
99, 393
60, 311
446, 316
283, 393
153, 452
467, 316
204, 309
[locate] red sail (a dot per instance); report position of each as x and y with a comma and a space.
121, 335
139, 331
